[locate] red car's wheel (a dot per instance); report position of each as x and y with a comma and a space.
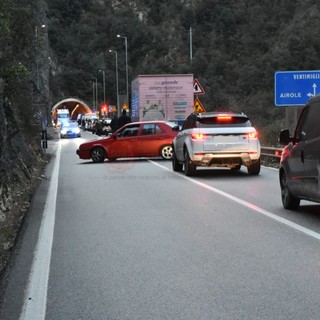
166, 152
98, 154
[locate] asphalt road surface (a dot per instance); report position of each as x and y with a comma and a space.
134, 240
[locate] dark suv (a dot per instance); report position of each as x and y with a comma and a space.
300, 160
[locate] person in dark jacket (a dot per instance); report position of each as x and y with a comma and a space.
114, 124
124, 119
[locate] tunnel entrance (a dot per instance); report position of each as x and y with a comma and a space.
75, 107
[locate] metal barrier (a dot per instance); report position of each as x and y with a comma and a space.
271, 152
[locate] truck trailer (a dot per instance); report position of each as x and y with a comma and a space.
162, 97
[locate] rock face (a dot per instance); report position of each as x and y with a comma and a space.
24, 95
21, 166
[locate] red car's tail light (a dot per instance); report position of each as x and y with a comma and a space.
198, 136
252, 135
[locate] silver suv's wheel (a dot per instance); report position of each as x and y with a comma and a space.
176, 165
288, 200
166, 152
254, 168
190, 168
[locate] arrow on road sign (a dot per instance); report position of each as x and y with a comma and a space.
314, 91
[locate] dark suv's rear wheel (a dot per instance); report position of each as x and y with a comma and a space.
288, 200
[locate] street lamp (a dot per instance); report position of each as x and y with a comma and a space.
96, 93
37, 28
126, 47
93, 94
104, 85
39, 81
37, 52
117, 84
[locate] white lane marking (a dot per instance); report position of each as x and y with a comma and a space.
35, 300
245, 203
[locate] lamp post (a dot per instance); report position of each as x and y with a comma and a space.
96, 93
127, 82
40, 78
37, 51
93, 94
104, 85
117, 84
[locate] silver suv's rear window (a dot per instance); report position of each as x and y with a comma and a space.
210, 122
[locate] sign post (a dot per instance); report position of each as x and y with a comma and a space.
197, 89
295, 88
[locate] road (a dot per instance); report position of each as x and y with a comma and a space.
134, 240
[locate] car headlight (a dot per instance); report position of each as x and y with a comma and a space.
63, 131
77, 130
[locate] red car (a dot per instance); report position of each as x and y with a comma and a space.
137, 139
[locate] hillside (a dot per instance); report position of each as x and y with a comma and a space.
52, 49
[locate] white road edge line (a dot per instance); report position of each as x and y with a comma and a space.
35, 300
246, 204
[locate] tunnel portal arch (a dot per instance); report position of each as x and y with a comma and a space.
74, 105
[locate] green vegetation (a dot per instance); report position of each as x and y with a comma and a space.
237, 47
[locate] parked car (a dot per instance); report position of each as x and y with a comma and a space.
137, 139
101, 127
88, 120
213, 139
299, 172
79, 118
70, 129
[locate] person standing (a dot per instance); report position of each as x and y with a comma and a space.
124, 119
114, 124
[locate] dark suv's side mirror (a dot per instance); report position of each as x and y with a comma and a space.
176, 128
284, 137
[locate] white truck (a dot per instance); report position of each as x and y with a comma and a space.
63, 116
162, 97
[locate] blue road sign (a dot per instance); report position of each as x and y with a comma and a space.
295, 88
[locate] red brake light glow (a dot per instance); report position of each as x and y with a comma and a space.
224, 118
198, 136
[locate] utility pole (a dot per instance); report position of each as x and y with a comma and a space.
117, 80
104, 85
97, 94
190, 42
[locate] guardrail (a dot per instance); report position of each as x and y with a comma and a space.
271, 152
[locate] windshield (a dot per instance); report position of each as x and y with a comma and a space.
63, 115
228, 121
172, 124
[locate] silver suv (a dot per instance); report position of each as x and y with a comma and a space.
299, 172
213, 139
